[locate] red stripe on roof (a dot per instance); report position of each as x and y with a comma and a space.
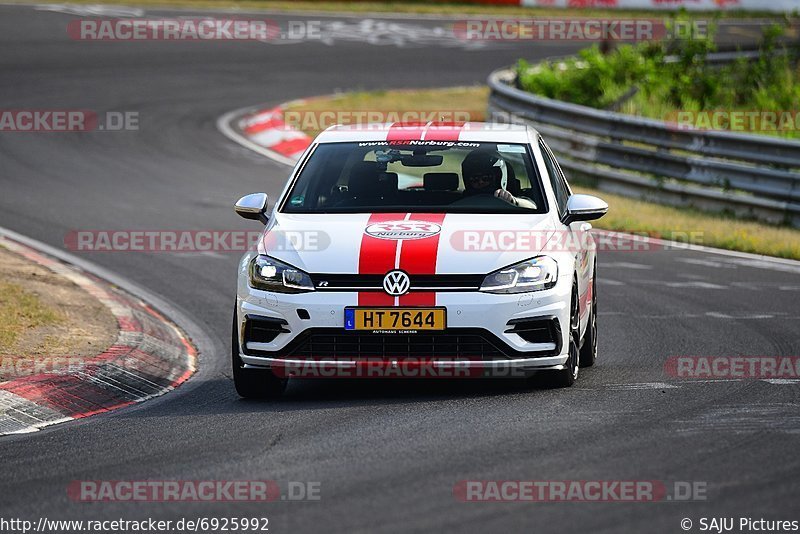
444, 131
406, 131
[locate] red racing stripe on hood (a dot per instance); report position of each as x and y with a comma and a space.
377, 256
418, 256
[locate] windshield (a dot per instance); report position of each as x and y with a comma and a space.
414, 176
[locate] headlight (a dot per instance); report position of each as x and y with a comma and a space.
530, 275
272, 275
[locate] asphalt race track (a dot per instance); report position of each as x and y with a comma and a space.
387, 455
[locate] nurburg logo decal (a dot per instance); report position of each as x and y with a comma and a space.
400, 230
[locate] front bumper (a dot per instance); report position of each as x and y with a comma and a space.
487, 326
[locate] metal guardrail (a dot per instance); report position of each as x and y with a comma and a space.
749, 175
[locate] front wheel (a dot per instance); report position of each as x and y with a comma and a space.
589, 348
253, 383
566, 377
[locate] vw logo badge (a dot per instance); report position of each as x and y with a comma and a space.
396, 283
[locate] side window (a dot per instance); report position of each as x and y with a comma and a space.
560, 173
556, 178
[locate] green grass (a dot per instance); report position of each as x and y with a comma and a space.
699, 228
21, 311
625, 215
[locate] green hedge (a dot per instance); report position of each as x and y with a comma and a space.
636, 79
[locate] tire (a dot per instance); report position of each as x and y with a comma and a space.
589, 349
253, 383
566, 377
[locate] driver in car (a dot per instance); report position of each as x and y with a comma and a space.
486, 173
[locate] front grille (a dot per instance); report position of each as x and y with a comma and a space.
455, 343
473, 346
374, 282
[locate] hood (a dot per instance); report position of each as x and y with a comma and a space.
438, 243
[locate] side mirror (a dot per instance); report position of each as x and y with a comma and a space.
253, 206
584, 208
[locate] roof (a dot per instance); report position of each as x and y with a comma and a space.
430, 131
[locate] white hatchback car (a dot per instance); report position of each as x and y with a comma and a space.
457, 245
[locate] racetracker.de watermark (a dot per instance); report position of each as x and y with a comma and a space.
413, 368
367, 119
733, 367
578, 491
15, 366
472, 241
765, 121
579, 29
192, 29
67, 120
192, 491
539, 241
192, 241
